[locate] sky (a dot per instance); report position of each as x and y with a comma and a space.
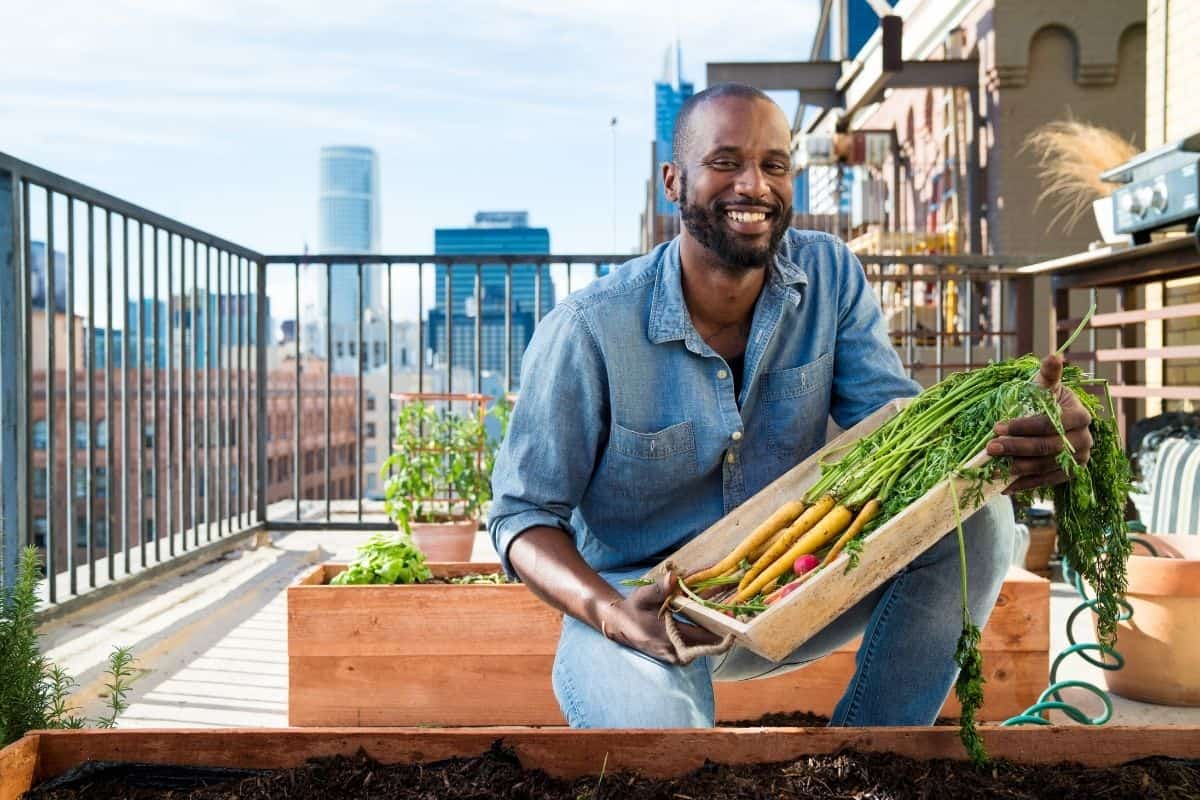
213, 112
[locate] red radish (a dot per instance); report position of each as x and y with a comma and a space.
805, 563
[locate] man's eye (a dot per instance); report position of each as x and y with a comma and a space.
777, 168
725, 163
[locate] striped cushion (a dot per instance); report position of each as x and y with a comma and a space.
1174, 489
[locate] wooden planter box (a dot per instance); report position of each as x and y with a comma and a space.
568, 753
481, 655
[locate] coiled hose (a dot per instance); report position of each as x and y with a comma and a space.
1051, 699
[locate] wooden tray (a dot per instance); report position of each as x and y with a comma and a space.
565, 753
795, 619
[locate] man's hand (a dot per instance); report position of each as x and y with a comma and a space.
1032, 442
635, 622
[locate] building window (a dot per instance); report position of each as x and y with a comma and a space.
102, 433
339, 350
369, 458
148, 530
39, 483
370, 402
101, 481
81, 532
372, 482
81, 479
39, 532
39, 434
148, 483
200, 485
81, 434
371, 431
148, 436
100, 537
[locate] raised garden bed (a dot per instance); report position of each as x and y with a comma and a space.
481, 655
814, 763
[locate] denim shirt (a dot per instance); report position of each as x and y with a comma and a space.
626, 433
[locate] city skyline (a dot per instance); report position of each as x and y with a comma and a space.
214, 116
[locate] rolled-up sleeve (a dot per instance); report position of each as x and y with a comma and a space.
558, 425
867, 369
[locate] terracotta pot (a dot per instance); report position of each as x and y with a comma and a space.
1161, 643
446, 541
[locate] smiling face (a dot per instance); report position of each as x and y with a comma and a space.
733, 180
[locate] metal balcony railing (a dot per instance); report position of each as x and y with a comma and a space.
151, 413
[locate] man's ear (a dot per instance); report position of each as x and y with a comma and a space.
670, 176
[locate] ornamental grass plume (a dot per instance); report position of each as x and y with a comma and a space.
1070, 156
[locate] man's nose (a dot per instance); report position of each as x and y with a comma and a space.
752, 181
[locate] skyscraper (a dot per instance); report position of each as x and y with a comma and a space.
349, 224
670, 93
494, 232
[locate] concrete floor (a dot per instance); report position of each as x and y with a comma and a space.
211, 644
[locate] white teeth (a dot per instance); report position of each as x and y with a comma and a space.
746, 216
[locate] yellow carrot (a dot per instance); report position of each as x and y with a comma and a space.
864, 516
785, 514
811, 516
830, 525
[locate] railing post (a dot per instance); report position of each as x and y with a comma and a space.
260, 351
13, 479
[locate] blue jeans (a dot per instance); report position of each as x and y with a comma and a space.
904, 669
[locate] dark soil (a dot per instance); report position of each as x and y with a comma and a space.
498, 773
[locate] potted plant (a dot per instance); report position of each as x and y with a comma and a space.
438, 477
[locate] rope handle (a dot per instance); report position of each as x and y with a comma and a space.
688, 653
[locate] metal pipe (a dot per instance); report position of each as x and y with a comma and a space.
13, 503
940, 323
72, 377
208, 399
296, 402
508, 336
390, 385
109, 427
51, 395
90, 349
222, 398
193, 323
141, 392
169, 483
239, 442
328, 381
260, 399
125, 415
478, 329
449, 320
358, 404
420, 327
156, 425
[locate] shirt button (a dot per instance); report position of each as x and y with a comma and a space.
722, 374
736, 436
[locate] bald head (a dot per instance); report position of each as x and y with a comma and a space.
684, 133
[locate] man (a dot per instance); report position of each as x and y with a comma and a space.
659, 398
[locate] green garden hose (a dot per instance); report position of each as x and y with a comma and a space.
1051, 699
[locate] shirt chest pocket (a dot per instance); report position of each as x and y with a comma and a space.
652, 466
796, 404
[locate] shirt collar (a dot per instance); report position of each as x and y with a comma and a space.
669, 319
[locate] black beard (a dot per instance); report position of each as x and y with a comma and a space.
706, 225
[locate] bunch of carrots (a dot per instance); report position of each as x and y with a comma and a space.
929, 441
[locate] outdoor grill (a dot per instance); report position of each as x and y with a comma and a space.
1160, 187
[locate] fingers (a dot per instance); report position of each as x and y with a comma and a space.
1051, 371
